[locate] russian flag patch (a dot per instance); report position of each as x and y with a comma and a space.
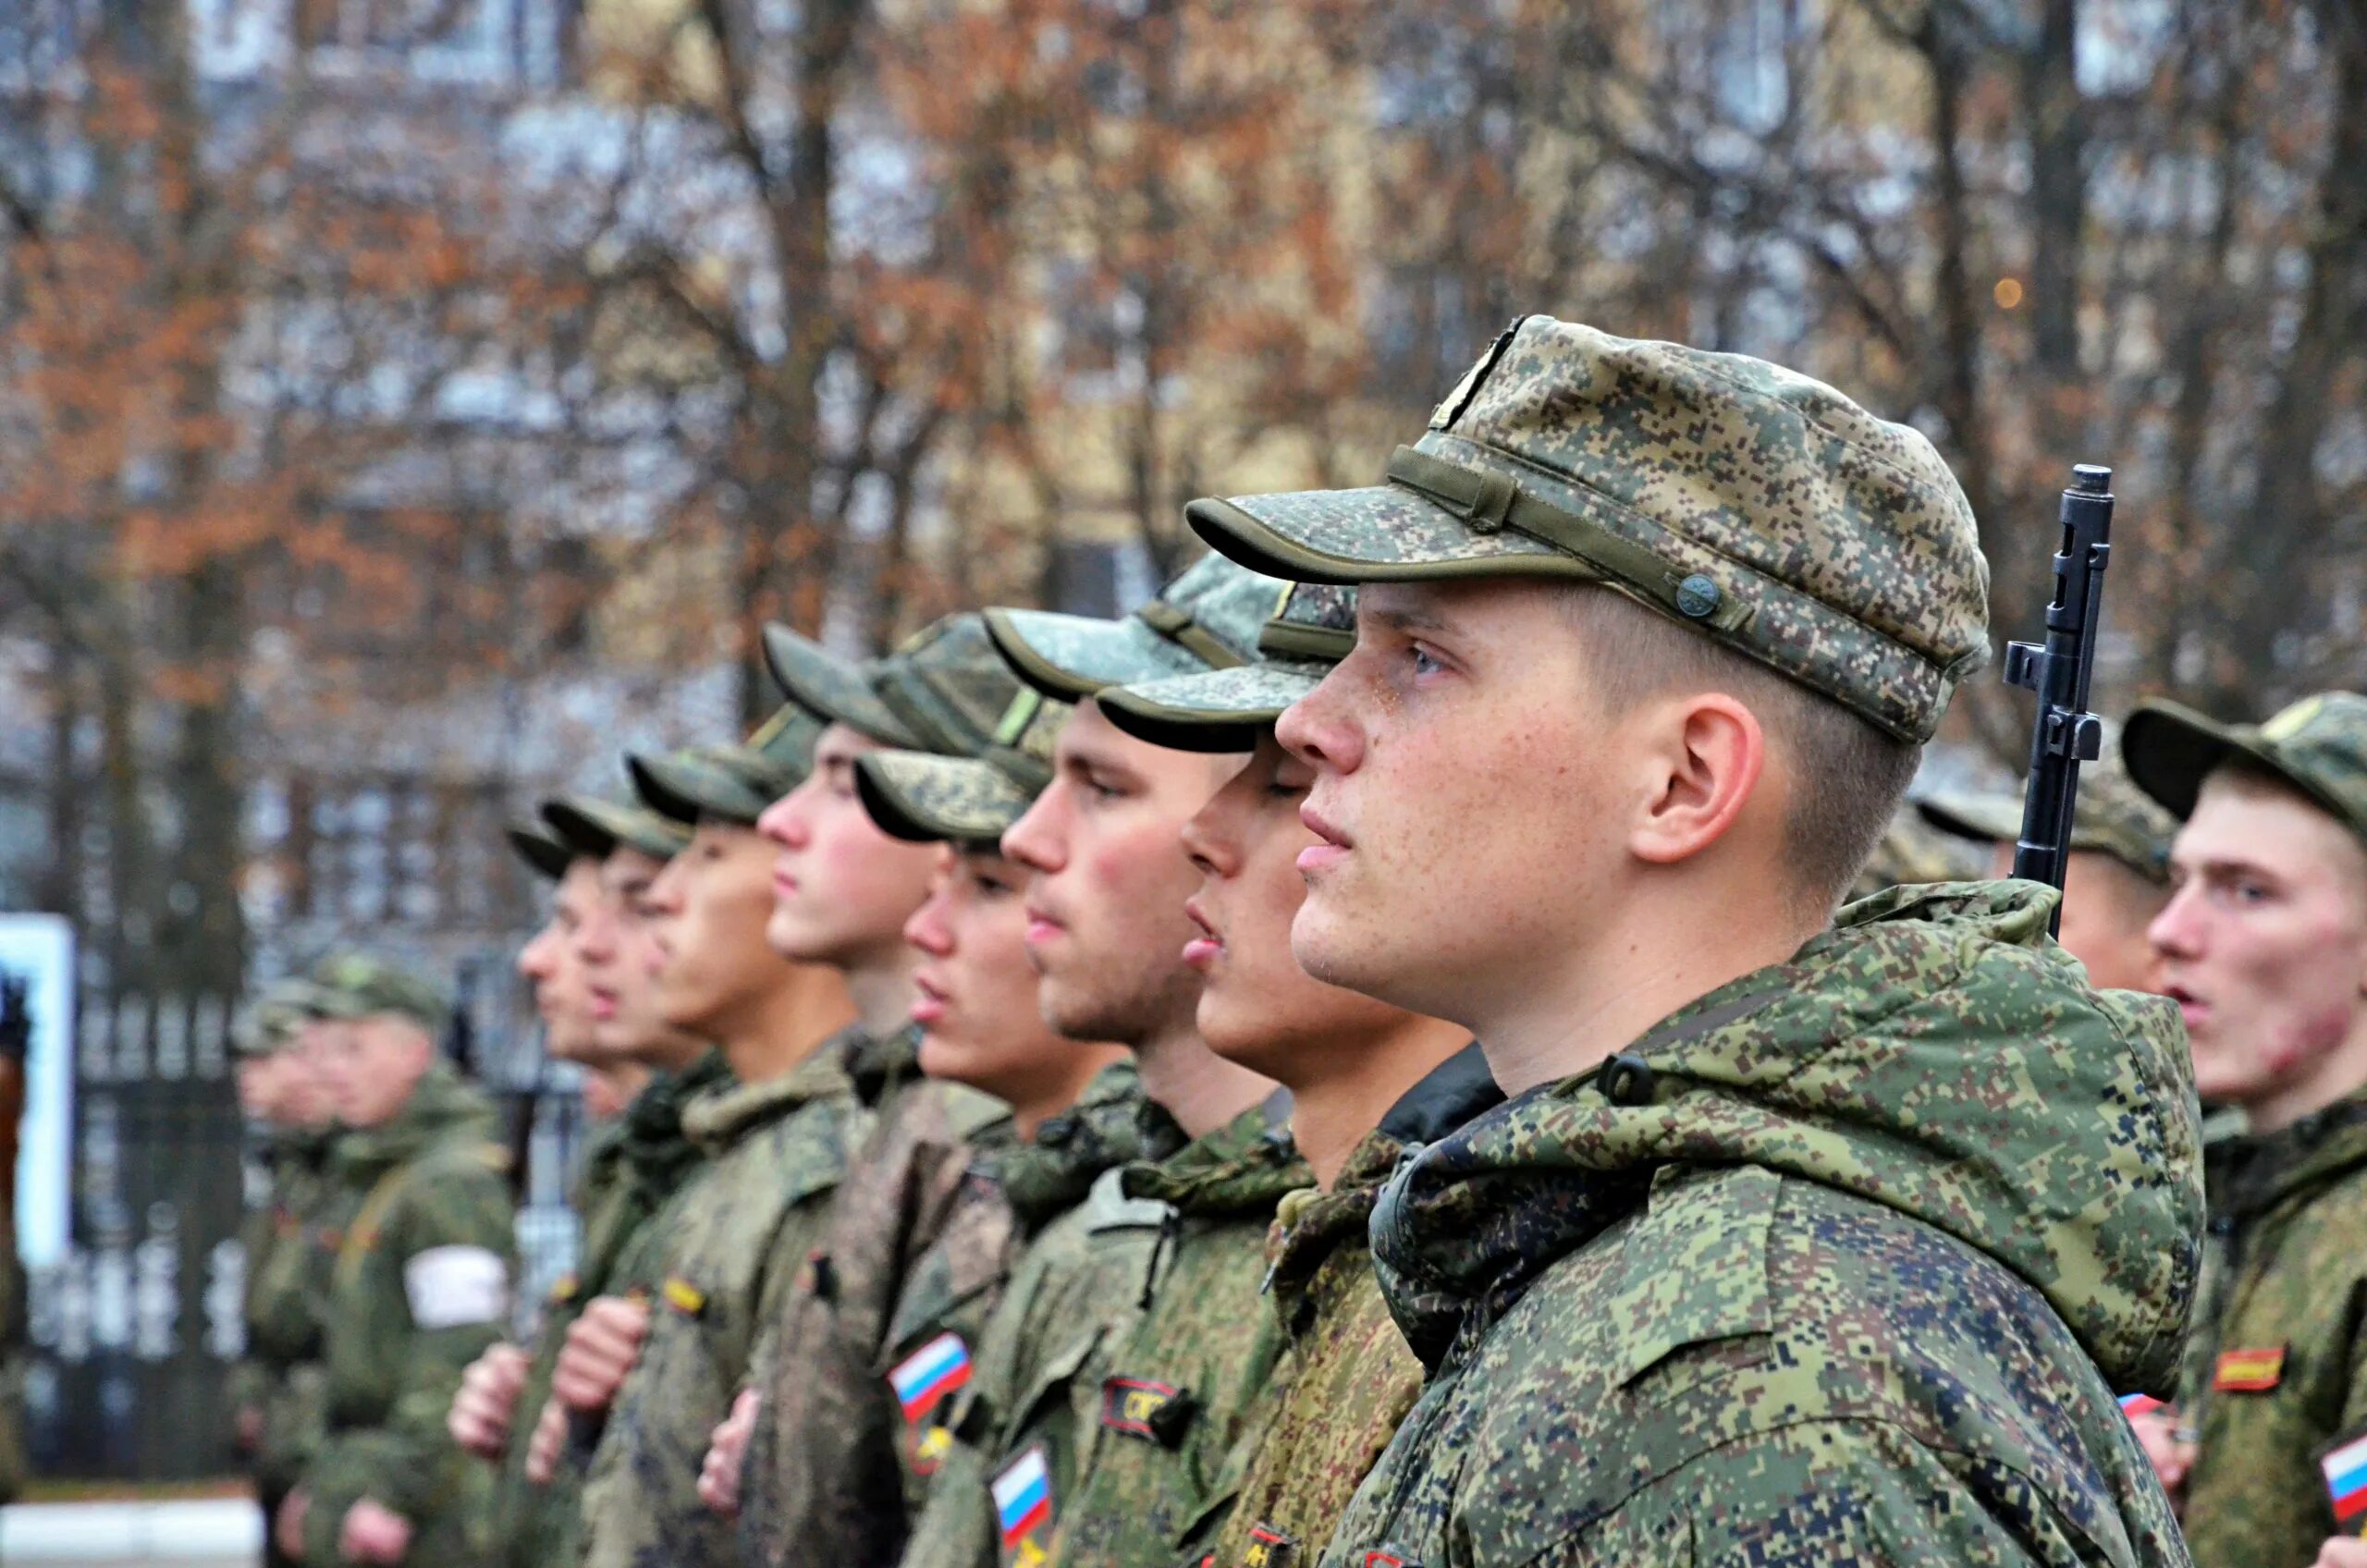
1022, 1491
2134, 1405
923, 1378
2344, 1466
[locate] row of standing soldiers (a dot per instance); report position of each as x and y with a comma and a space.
1358, 1062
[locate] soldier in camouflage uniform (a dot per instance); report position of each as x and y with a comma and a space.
422, 1229
2264, 950
1158, 1406
688, 1310
2117, 877
846, 891
1798, 1242
275, 1389
1347, 1377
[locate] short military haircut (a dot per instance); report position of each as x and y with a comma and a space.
1851, 776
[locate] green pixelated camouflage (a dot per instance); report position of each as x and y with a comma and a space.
287, 1298
1203, 1334
276, 1018
965, 800
1036, 1368
2113, 818
430, 1178
632, 1171
2318, 746
943, 689
737, 1234
1753, 504
1843, 1266
1912, 853
1227, 710
2283, 1270
364, 986
1350, 1378
591, 825
1207, 619
843, 1501
545, 854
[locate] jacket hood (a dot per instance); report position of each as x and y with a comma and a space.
730, 1110
1243, 1168
442, 1105
2250, 1176
879, 1064
653, 1141
1106, 1127
1935, 1053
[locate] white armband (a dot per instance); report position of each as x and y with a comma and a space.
456, 1285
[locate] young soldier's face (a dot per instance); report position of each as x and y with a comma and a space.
1108, 879
2263, 944
841, 888
618, 948
370, 1066
707, 909
263, 1086
1464, 798
1258, 1007
552, 965
304, 1095
976, 991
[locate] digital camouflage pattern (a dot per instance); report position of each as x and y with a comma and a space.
2111, 817
926, 798
943, 689
1351, 1376
734, 1239
1038, 1364
1207, 619
1751, 503
428, 1187
590, 826
733, 783
633, 1168
1227, 710
2285, 1276
1841, 1262
843, 1501
1158, 1460
2318, 746
286, 1294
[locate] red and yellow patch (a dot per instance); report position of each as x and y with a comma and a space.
2248, 1371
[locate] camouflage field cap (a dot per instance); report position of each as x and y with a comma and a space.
541, 849
1752, 504
273, 1021
2318, 746
360, 985
2113, 818
591, 825
928, 799
731, 784
1207, 619
1227, 710
943, 689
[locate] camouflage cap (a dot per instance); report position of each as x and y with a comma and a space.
927, 797
2113, 818
591, 825
1207, 619
360, 985
1227, 710
271, 1022
1755, 505
2318, 746
542, 850
734, 783
943, 689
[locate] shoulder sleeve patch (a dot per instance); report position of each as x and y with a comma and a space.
453, 1286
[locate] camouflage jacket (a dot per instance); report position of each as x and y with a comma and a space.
2276, 1370
423, 1235
633, 1166
1839, 1263
736, 1235
287, 1292
1158, 1456
841, 1501
1035, 1375
1352, 1378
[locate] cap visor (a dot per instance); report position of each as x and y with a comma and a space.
930, 799
1989, 819
1381, 534
543, 854
1075, 656
1221, 710
689, 792
2169, 749
820, 680
595, 827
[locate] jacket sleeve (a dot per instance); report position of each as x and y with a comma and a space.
458, 1252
